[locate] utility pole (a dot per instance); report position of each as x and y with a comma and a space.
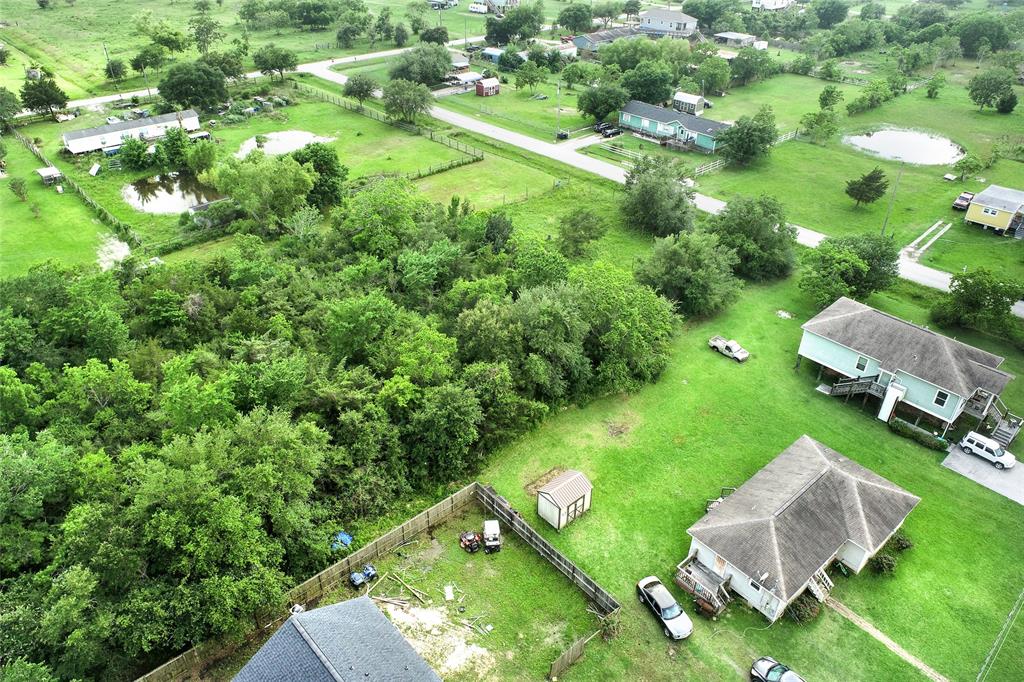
558, 108
892, 199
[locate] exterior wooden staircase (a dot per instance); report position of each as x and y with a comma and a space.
820, 585
1007, 426
857, 386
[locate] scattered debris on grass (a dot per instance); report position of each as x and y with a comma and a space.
616, 429
784, 314
444, 645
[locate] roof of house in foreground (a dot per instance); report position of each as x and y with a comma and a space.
793, 515
662, 14
1005, 198
345, 642
692, 123
898, 344
129, 125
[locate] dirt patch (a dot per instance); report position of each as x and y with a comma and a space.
784, 314
111, 252
850, 63
617, 429
444, 644
532, 488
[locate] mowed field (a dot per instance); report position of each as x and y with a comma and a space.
709, 423
70, 39
66, 229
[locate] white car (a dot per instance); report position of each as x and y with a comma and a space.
986, 448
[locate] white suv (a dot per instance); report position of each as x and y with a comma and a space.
986, 448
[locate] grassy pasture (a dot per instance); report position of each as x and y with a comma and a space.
66, 229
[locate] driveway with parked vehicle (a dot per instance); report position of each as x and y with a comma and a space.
1007, 482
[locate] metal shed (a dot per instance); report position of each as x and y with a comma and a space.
563, 498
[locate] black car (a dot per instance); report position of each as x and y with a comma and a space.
655, 596
767, 669
610, 132
601, 127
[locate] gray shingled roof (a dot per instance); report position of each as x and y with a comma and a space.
697, 124
1003, 198
566, 487
667, 15
898, 344
348, 641
613, 34
128, 125
794, 514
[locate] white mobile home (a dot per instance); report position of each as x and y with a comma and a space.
563, 498
113, 135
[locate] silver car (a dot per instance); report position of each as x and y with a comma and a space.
675, 624
767, 669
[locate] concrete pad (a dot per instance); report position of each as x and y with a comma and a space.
1008, 483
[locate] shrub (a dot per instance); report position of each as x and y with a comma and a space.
908, 430
899, 542
883, 563
804, 608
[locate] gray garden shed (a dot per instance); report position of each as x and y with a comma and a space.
564, 497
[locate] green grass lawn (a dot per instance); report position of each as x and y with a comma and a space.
709, 423
790, 96
66, 229
488, 183
518, 110
12, 74
497, 587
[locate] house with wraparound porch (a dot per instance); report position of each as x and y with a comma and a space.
676, 128
906, 368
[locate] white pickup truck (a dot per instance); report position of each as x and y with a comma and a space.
728, 348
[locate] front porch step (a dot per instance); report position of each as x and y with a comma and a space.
824, 388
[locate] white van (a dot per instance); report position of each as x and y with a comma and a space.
986, 448
478, 8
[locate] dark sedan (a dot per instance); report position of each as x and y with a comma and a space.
767, 669
675, 624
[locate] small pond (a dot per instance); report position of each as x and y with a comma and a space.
168, 193
281, 142
911, 146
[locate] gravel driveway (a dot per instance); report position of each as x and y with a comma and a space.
1008, 483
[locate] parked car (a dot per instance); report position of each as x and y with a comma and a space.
767, 669
963, 201
610, 132
674, 622
728, 348
111, 120
601, 127
976, 444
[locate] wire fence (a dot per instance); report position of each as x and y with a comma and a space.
310, 592
122, 229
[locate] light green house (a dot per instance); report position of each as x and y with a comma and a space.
906, 367
668, 124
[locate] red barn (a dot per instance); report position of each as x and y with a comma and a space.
488, 87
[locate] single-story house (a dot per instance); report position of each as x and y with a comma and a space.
492, 54
112, 135
49, 175
667, 124
999, 208
667, 22
460, 62
486, 87
903, 365
689, 104
564, 498
778, 533
733, 39
351, 640
771, 5
588, 44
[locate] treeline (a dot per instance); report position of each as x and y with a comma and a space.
182, 442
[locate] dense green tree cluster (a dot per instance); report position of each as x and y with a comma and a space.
182, 442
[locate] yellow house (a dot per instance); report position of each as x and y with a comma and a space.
999, 208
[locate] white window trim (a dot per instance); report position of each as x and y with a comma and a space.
945, 398
857, 364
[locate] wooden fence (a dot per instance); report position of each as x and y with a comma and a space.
121, 228
570, 656
310, 592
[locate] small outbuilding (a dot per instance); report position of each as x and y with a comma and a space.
49, 175
563, 498
487, 87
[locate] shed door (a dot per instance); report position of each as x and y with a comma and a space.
574, 509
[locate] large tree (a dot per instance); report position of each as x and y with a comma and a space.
650, 81
750, 138
855, 266
576, 17
205, 30
271, 59
830, 12
43, 96
426, 64
756, 229
599, 101
981, 28
751, 64
989, 86
981, 299
656, 202
693, 269
327, 189
10, 106
264, 186
713, 74
869, 187
405, 100
360, 87
194, 84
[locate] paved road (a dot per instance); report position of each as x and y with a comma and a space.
566, 153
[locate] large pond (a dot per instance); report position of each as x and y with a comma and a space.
168, 193
281, 142
911, 146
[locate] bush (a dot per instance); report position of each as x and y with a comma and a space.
804, 608
883, 563
899, 542
908, 430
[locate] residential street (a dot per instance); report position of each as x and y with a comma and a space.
565, 153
